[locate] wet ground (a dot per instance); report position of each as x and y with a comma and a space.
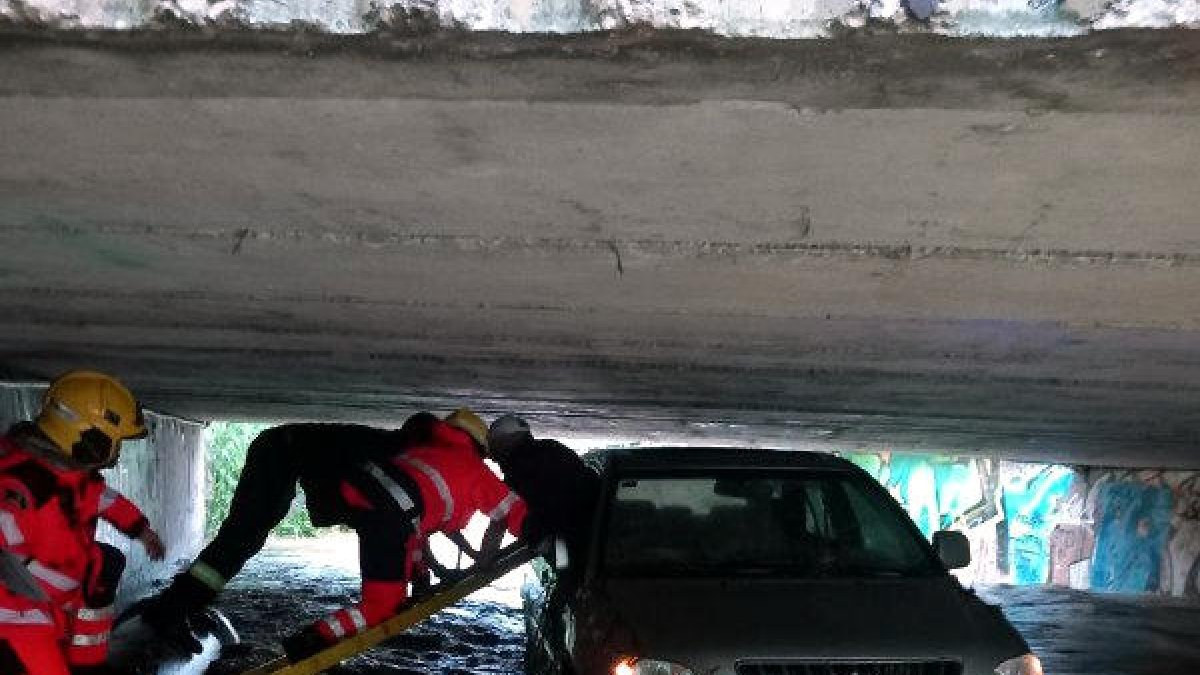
295, 582
1077, 632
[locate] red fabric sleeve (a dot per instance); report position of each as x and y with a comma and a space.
122, 513
499, 503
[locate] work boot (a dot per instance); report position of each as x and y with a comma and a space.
170, 626
304, 643
171, 613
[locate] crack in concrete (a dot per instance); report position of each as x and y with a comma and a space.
677, 248
239, 238
617, 254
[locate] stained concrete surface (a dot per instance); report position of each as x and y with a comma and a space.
878, 240
293, 582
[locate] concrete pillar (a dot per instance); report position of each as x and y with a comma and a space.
163, 474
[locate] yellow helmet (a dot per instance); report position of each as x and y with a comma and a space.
468, 421
87, 415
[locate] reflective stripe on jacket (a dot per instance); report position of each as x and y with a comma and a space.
43, 537
48, 515
455, 483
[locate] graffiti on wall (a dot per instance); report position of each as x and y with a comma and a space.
1035, 502
1008, 510
1106, 529
1133, 523
939, 492
1147, 531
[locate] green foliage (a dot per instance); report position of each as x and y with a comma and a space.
227, 443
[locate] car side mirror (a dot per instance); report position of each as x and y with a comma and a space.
953, 548
562, 559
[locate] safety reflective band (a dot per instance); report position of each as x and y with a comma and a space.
92, 614
503, 508
54, 579
347, 621
93, 640
208, 576
29, 617
108, 498
399, 494
335, 627
11, 531
439, 483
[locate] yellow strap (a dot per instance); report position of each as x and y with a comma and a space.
413, 614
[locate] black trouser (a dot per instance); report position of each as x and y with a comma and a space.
319, 457
103, 577
264, 494
383, 545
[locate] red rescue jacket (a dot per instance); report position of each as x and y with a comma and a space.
48, 516
454, 484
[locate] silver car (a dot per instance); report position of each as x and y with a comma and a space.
756, 562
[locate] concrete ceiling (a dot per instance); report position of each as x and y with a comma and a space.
874, 240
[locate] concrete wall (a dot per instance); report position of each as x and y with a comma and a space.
1118, 530
163, 474
779, 19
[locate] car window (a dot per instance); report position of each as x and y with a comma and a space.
789, 523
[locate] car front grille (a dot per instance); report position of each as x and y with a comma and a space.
940, 667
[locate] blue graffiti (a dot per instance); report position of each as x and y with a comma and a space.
1029, 508
1133, 522
934, 490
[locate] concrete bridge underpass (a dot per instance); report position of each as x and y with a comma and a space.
966, 262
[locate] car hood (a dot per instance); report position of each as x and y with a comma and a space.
705, 621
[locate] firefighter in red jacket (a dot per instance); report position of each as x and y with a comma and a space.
394, 488
57, 584
440, 485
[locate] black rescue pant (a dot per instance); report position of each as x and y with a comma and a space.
103, 577
318, 457
264, 494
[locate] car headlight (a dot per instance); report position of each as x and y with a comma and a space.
1022, 665
631, 665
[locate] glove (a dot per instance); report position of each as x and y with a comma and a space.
303, 644
172, 612
453, 576
421, 583
169, 621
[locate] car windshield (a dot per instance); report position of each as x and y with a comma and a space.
811, 524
